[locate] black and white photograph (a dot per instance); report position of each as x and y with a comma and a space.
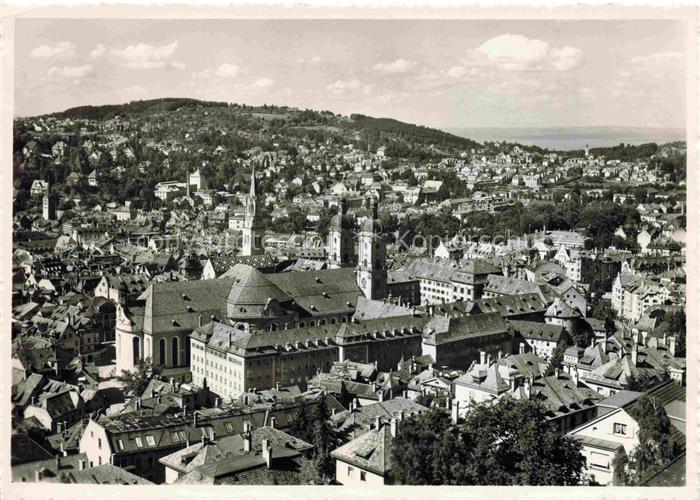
349, 251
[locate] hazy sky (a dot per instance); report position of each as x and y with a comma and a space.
436, 73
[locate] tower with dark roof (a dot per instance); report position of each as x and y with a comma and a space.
341, 246
252, 223
371, 266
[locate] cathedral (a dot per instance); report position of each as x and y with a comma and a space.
159, 323
253, 330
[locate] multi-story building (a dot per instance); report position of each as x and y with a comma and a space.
232, 360
169, 189
446, 281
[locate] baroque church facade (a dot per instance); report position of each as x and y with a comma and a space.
158, 325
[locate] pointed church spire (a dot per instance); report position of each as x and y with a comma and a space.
253, 187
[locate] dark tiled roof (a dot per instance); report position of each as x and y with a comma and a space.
447, 271
250, 287
538, 331
371, 451
106, 474
503, 285
671, 475
374, 309
327, 291
52, 469
25, 449
176, 306
441, 330
224, 461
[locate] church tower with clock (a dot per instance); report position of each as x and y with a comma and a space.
371, 263
253, 226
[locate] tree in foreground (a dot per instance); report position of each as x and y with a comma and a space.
312, 426
655, 447
506, 443
135, 381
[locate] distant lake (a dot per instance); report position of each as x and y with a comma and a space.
566, 139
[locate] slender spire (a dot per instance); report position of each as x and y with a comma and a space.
253, 188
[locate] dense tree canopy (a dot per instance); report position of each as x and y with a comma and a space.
506, 443
674, 323
136, 380
599, 218
312, 426
655, 447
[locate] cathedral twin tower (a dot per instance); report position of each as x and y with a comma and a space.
371, 262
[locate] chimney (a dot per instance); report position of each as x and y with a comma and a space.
500, 354
394, 427
273, 422
200, 321
455, 411
111, 458
59, 427
522, 348
381, 395
332, 412
217, 402
196, 419
634, 355
267, 452
377, 422
672, 345
575, 375
482, 357
247, 426
247, 441
556, 373
81, 464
